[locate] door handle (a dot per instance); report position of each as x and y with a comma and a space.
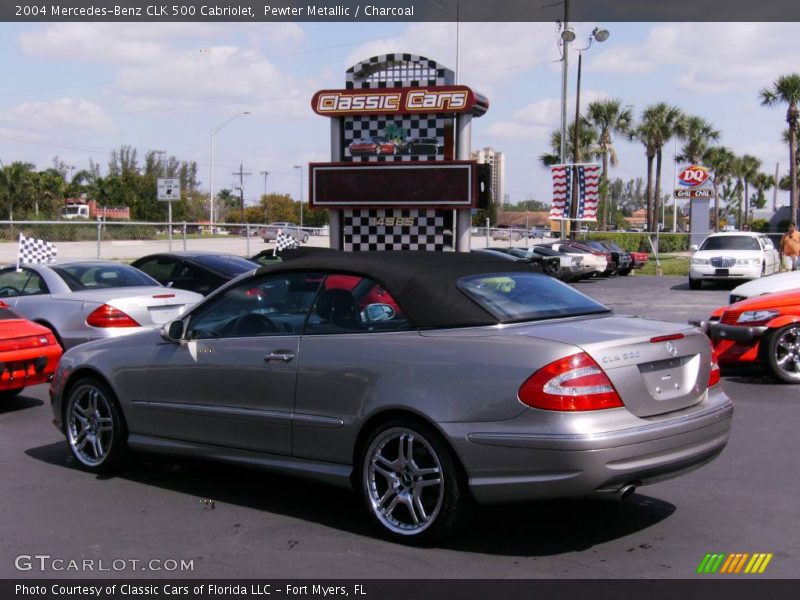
281, 355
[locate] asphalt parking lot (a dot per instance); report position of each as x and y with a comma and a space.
234, 522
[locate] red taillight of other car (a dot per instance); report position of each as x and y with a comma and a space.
24, 343
713, 376
573, 383
108, 316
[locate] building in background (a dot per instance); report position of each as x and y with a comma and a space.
492, 157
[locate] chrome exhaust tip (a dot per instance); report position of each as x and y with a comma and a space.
625, 491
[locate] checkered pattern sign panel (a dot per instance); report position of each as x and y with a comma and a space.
407, 229
424, 141
397, 69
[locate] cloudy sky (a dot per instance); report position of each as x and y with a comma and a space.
77, 90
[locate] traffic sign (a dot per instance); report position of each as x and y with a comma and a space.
169, 189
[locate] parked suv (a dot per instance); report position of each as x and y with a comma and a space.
270, 232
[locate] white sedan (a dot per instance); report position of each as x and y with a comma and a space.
782, 282
731, 256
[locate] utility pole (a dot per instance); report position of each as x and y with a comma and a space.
241, 173
265, 174
775, 189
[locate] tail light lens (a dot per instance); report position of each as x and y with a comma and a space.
108, 316
24, 343
573, 383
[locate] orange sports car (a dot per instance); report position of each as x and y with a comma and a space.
762, 330
29, 353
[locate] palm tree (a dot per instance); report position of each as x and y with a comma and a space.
659, 123
786, 90
749, 168
697, 134
608, 117
587, 141
720, 161
762, 182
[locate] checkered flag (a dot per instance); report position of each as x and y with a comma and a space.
284, 241
35, 252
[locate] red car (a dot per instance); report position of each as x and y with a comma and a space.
764, 330
29, 353
639, 259
373, 145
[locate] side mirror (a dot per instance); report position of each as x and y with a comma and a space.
693, 248
174, 331
378, 312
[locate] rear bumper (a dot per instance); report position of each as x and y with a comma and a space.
518, 466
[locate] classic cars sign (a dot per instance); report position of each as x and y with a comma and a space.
449, 99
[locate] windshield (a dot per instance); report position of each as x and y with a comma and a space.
527, 297
90, 276
731, 242
230, 265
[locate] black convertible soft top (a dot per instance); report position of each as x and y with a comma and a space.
424, 284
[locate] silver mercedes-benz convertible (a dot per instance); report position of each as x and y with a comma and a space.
426, 381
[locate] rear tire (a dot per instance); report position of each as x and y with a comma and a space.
695, 284
779, 352
95, 427
412, 485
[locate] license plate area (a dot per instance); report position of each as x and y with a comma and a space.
722, 272
672, 377
163, 314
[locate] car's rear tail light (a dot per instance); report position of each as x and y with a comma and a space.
30, 341
573, 383
108, 316
713, 375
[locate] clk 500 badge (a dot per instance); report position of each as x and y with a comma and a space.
612, 358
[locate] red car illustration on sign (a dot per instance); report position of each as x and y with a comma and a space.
373, 145
29, 353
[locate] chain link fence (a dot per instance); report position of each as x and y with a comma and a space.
126, 241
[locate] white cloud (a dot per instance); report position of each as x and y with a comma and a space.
710, 57
145, 43
513, 131
490, 52
65, 113
547, 111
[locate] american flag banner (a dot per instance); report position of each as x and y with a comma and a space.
588, 176
35, 252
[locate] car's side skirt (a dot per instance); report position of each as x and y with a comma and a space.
336, 474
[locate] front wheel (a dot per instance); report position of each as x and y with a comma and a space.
95, 427
305, 238
695, 284
411, 483
780, 353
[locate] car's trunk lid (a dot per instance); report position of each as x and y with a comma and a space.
656, 367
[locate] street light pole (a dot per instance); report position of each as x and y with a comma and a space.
265, 174
215, 131
301, 193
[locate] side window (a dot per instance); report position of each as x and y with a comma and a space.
352, 304
35, 285
12, 282
276, 304
159, 268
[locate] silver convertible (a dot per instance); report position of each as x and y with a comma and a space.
90, 300
426, 381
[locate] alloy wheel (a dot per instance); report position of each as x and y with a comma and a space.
787, 353
90, 425
403, 480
